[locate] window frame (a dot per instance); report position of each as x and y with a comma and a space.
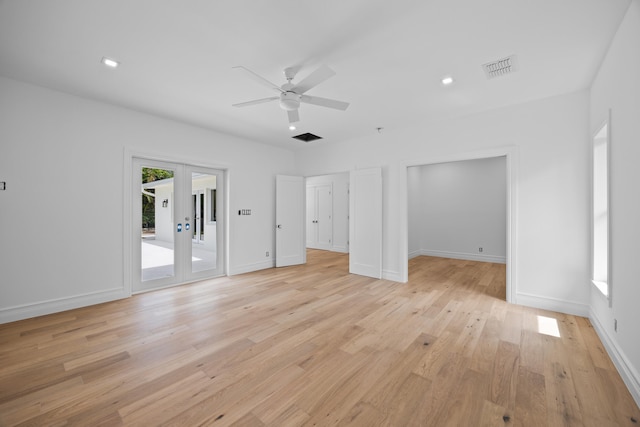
602, 282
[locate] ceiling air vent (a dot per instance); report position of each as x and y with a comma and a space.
501, 67
307, 137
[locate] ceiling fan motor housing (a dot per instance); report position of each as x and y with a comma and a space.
289, 101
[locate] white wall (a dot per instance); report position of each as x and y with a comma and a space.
617, 87
414, 211
552, 184
61, 222
462, 208
340, 185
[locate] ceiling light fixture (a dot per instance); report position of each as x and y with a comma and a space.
289, 101
110, 62
447, 80
292, 127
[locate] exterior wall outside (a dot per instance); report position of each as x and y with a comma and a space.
164, 216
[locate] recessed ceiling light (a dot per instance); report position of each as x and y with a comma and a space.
110, 62
292, 127
447, 80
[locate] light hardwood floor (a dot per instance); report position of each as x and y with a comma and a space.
313, 345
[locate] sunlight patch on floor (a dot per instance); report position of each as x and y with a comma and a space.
548, 326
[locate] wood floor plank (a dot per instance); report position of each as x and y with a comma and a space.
531, 400
314, 345
504, 376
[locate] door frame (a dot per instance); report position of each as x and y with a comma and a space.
510, 153
128, 221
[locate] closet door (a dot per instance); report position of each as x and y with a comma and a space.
310, 223
324, 220
319, 222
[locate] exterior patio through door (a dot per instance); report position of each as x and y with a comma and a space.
177, 223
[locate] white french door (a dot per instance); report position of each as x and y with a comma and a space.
177, 212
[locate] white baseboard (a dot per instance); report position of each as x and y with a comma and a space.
626, 370
552, 304
12, 314
341, 249
415, 253
248, 268
460, 255
394, 276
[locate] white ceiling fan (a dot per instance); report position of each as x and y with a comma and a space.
291, 95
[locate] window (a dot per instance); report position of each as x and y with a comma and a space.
600, 214
213, 205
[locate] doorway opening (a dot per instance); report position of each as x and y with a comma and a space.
327, 216
460, 209
364, 218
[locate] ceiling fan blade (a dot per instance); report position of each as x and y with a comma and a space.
314, 79
259, 79
293, 116
256, 101
324, 102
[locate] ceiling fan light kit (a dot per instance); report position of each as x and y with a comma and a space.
289, 101
291, 95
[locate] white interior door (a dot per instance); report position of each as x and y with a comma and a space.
324, 220
319, 216
365, 222
311, 208
290, 219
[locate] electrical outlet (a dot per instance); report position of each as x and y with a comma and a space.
266, 254
480, 249
615, 325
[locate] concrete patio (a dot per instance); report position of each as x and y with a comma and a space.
158, 259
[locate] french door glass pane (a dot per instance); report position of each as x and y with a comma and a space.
157, 243
204, 242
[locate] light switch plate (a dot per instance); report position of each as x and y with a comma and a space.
3, 185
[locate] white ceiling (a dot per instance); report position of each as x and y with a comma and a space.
177, 56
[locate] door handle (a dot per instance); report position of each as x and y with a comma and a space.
279, 226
